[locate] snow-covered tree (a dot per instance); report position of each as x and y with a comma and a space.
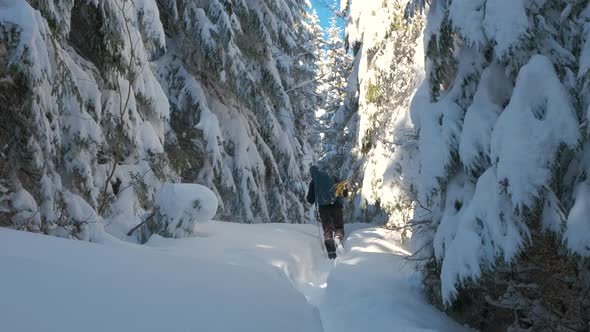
309, 73
317, 44
335, 68
111, 99
502, 124
246, 65
372, 138
80, 126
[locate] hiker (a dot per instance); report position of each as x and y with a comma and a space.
322, 191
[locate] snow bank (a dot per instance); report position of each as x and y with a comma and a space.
181, 205
294, 250
83, 215
199, 284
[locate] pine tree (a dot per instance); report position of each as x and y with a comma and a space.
371, 142
317, 45
336, 67
122, 96
500, 150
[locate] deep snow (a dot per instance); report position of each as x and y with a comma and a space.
229, 277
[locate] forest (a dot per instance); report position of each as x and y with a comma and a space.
178, 137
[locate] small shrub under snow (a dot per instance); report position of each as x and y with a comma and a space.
180, 206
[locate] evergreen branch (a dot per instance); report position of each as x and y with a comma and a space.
122, 107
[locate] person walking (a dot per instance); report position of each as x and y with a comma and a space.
322, 191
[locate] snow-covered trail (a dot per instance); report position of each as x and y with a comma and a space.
271, 277
373, 288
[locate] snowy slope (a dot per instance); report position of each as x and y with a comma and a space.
51, 284
230, 277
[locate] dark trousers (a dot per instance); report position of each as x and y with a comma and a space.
332, 221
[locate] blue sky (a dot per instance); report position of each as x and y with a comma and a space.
324, 12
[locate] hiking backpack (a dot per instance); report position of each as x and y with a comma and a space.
325, 187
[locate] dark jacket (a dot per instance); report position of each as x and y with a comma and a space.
311, 196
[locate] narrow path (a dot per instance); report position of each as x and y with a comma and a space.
371, 287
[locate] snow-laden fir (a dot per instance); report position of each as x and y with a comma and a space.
106, 100
502, 124
369, 132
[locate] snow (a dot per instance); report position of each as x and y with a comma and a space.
77, 128
434, 18
506, 23
519, 72
518, 146
375, 137
185, 203
484, 229
372, 288
126, 288
149, 139
553, 216
32, 27
459, 191
81, 213
578, 227
192, 93
467, 17
492, 94
537, 121
25, 206
153, 31
440, 127
271, 277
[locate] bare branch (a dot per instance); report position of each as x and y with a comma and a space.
143, 222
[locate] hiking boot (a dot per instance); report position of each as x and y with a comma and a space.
330, 248
330, 245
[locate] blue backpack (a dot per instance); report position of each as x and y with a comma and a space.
325, 187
